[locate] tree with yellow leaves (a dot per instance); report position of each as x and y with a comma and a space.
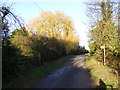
55, 25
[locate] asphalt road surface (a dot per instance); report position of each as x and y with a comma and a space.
73, 74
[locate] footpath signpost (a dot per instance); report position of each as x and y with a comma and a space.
103, 47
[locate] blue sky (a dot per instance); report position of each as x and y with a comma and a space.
76, 9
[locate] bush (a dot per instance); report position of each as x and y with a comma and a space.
99, 55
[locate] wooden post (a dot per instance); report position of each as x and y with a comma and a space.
39, 58
104, 56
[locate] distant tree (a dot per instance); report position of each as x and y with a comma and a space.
79, 50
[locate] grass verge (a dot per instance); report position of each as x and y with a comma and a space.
32, 76
99, 72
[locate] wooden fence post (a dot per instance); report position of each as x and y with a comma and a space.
39, 58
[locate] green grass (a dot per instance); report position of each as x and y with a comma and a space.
32, 76
98, 71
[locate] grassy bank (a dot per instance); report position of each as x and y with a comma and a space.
34, 75
101, 73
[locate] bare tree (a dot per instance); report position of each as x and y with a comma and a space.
8, 21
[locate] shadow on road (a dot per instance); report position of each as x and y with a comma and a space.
73, 74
